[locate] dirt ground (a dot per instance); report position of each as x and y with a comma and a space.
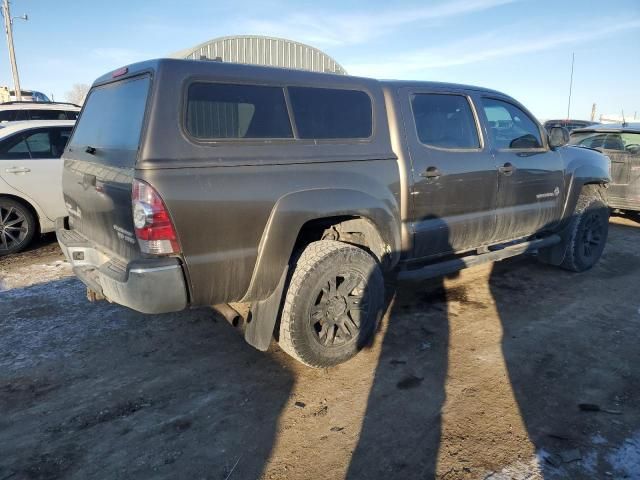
475, 377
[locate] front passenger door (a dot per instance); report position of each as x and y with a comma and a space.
531, 186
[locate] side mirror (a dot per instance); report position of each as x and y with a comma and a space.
558, 136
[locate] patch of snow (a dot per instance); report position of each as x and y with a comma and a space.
625, 460
598, 439
589, 462
33, 274
522, 470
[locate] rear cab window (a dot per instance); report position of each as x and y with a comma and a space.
111, 122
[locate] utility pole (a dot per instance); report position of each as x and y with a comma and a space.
8, 28
593, 112
573, 58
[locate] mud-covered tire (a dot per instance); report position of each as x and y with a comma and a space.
588, 230
17, 226
332, 305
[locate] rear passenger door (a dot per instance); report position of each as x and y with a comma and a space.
454, 178
30, 163
531, 185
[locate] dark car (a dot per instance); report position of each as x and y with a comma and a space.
200, 183
621, 143
569, 124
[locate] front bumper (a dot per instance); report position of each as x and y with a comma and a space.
147, 285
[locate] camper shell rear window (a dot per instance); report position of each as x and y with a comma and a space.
111, 122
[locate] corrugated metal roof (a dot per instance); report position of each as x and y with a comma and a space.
267, 51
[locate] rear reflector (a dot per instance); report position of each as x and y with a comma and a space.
152, 222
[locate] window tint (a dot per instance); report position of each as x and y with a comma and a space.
72, 114
323, 113
39, 145
445, 121
510, 127
21, 115
112, 121
221, 111
47, 115
616, 142
14, 148
7, 115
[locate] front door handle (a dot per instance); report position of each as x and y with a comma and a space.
431, 173
507, 169
17, 170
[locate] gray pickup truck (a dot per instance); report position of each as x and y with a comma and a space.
194, 183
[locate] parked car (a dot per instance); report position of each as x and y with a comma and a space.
621, 143
568, 124
30, 180
21, 111
29, 96
201, 183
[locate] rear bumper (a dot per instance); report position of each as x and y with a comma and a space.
146, 285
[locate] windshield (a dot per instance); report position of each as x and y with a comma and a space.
617, 141
111, 122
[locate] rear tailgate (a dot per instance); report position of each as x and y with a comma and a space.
99, 164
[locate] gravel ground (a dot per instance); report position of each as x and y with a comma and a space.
475, 377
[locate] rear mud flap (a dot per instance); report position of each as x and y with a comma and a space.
264, 315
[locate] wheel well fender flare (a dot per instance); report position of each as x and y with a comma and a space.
292, 211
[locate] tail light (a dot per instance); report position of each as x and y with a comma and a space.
154, 230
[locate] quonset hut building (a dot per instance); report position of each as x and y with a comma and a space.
267, 51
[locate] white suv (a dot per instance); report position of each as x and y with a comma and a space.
30, 180
20, 111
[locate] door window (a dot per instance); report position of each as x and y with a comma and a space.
14, 148
510, 127
615, 142
445, 121
39, 145
42, 143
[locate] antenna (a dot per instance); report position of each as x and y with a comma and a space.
573, 58
624, 122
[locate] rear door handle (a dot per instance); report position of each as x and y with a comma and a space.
507, 169
431, 172
17, 170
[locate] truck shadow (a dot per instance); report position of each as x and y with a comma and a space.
483, 376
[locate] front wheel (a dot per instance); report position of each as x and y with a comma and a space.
333, 304
589, 228
17, 226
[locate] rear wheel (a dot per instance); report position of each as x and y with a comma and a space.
17, 226
588, 231
332, 304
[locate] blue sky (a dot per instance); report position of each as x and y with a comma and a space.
521, 47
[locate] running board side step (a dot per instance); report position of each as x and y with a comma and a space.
457, 264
